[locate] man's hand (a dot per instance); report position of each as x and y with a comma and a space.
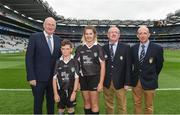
32, 82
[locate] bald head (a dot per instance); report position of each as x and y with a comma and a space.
143, 34
143, 27
113, 34
49, 19
114, 28
49, 25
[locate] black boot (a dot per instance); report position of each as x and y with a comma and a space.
87, 111
97, 113
71, 113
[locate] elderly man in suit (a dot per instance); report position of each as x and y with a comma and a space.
147, 61
118, 66
42, 52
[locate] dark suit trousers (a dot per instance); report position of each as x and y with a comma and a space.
39, 90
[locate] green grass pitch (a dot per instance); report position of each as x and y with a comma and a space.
13, 76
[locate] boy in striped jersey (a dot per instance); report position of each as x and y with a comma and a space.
66, 79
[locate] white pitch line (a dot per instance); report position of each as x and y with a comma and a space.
15, 89
168, 89
160, 89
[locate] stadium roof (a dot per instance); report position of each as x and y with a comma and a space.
34, 9
40, 9
171, 19
129, 23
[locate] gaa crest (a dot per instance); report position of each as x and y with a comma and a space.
95, 54
105, 56
121, 57
151, 60
72, 69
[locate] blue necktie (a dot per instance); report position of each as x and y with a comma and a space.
112, 52
49, 43
142, 55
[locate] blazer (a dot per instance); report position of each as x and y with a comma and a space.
40, 62
120, 73
151, 67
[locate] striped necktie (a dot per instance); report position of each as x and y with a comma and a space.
112, 52
49, 43
142, 54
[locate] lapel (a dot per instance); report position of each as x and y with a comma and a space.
46, 44
117, 50
136, 53
148, 52
107, 50
55, 44
44, 39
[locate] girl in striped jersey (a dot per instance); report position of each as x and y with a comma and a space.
92, 68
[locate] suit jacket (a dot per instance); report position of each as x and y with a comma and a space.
120, 74
40, 62
151, 67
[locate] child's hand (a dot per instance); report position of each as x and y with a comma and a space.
56, 98
73, 96
79, 87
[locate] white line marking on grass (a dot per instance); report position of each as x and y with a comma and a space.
15, 89
168, 89
164, 89
161, 89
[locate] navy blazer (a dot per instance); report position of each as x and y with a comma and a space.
152, 65
40, 62
120, 74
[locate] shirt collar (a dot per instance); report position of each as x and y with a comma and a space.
84, 43
145, 44
46, 35
61, 58
115, 44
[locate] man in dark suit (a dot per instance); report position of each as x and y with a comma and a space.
118, 66
147, 60
42, 52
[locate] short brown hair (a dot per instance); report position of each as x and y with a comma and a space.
67, 42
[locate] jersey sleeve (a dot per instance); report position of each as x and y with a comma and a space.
76, 75
55, 76
77, 68
77, 53
56, 67
101, 53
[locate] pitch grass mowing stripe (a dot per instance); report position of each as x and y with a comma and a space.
161, 89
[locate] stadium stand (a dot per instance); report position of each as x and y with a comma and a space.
12, 43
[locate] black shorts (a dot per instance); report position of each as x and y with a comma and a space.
65, 101
89, 83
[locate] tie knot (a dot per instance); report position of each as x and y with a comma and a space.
48, 37
143, 46
111, 45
